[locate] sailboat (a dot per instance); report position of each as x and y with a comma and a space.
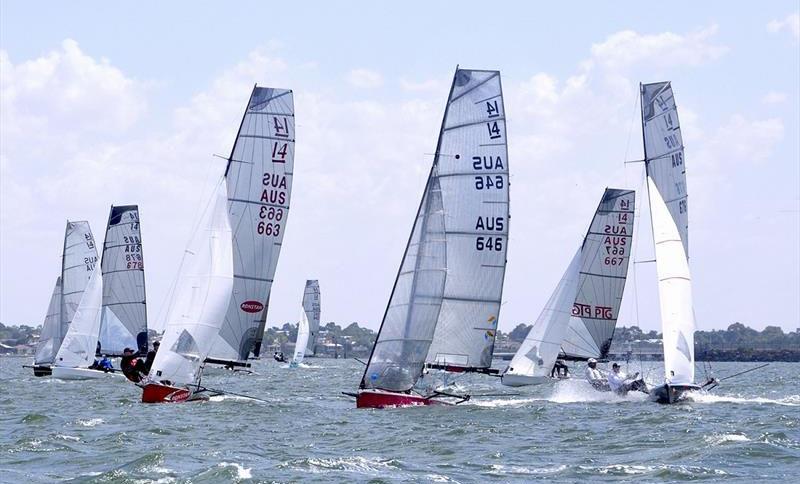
665, 173
77, 350
124, 317
259, 184
445, 302
308, 327
78, 260
312, 308
197, 309
580, 316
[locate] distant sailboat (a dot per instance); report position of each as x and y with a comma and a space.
78, 349
446, 298
302, 340
308, 327
312, 308
124, 306
197, 309
79, 257
259, 183
580, 316
665, 172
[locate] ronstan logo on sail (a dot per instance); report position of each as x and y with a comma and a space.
251, 306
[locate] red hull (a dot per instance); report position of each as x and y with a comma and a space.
381, 399
156, 393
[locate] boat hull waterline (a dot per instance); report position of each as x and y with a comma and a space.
158, 393
384, 399
668, 393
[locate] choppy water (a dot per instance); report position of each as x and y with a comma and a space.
748, 430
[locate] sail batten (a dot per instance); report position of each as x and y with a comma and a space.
259, 182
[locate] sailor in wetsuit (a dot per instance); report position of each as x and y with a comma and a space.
619, 381
594, 377
132, 367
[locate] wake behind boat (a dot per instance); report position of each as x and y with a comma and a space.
436, 313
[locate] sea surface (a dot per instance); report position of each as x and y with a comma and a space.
304, 429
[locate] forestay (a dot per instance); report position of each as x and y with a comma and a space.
49, 339
259, 180
472, 171
302, 339
675, 293
663, 150
78, 264
538, 352
80, 343
407, 328
124, 311
605, 254
311, 308
201, 297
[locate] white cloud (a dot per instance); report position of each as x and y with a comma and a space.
774, 97
364, 78
628, 47
790, 23
429, 85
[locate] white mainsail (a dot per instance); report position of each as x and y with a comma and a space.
259, 183
200, 299
666, 182
446, 297
311, 308
605, 255
78, 264
472, 171
46, 348
302, 339
124, 308
675, 293
80, 343
535, 357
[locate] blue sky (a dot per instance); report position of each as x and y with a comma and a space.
125, 103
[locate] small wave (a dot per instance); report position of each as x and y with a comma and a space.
242, 472
791, 401
505, 470
35, 418
660, 471
92, 422
357, 464
720, 439
234, 398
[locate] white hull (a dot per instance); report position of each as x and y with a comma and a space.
65, 373
512, 380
